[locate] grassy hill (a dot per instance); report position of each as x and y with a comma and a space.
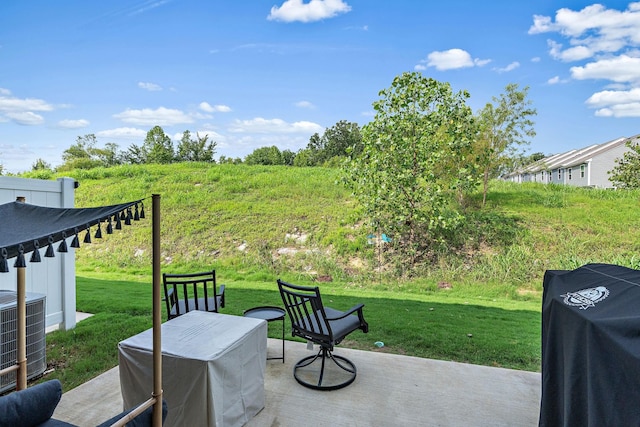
254, 222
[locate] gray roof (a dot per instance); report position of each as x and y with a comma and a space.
573, 157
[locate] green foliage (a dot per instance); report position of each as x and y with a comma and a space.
626, 173
413, 166
85, 154
195, 150
304, 158
39, 174
265, 156
158, 146
288, 157
341, 140
229, 160
40, 165
504, 126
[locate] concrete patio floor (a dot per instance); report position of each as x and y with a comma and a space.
390, 390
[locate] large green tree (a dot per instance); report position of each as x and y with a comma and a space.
341, 140
415, 161
85, 154
626, 173
196, 150
505, 126
265, 156
158, 146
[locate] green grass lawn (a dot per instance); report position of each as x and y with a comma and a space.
479, 331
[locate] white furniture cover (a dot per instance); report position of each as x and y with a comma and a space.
212, 366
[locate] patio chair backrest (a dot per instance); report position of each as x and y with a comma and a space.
192, 291
307, 313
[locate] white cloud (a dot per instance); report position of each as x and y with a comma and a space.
620, 110
508, 68
620, 69
205, 106
554, 80
151, 87
73, 124
359, 28
261, 125
591, 31
10, 103
542, 24
304, 104
616, 103
609, 97
26, 118
535, 59
575, 53
21, 110
315, 10
449, 60
158, 117
608, 41
123, 133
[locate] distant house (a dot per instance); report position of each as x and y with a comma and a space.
586, 167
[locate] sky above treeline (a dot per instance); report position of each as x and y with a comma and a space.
251, 74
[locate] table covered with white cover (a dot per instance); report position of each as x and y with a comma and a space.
212, 367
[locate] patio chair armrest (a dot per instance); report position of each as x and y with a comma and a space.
357, 307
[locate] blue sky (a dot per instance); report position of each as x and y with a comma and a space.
259, 73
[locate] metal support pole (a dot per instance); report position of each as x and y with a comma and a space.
21, 342
157, 321
21, 379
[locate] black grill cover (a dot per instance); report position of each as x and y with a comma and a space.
591, 347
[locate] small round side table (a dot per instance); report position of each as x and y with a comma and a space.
270, 314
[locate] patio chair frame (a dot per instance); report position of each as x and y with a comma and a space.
321, 325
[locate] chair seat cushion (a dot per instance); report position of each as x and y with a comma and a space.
342, 327
192, 305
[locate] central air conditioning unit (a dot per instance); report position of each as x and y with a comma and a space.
36, 342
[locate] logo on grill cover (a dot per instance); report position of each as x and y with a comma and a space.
586, 298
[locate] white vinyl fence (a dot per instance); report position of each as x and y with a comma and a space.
54, 277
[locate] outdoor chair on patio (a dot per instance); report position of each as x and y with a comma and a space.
193, 291
324, 326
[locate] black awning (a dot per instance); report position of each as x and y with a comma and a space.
25, 228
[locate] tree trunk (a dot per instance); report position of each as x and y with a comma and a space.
485, 186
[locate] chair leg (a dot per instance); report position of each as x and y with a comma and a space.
315, 379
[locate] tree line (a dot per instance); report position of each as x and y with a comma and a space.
335, 144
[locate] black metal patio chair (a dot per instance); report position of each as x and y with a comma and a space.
192, 291
324, 326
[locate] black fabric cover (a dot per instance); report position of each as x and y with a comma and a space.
23, 223
591, 347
